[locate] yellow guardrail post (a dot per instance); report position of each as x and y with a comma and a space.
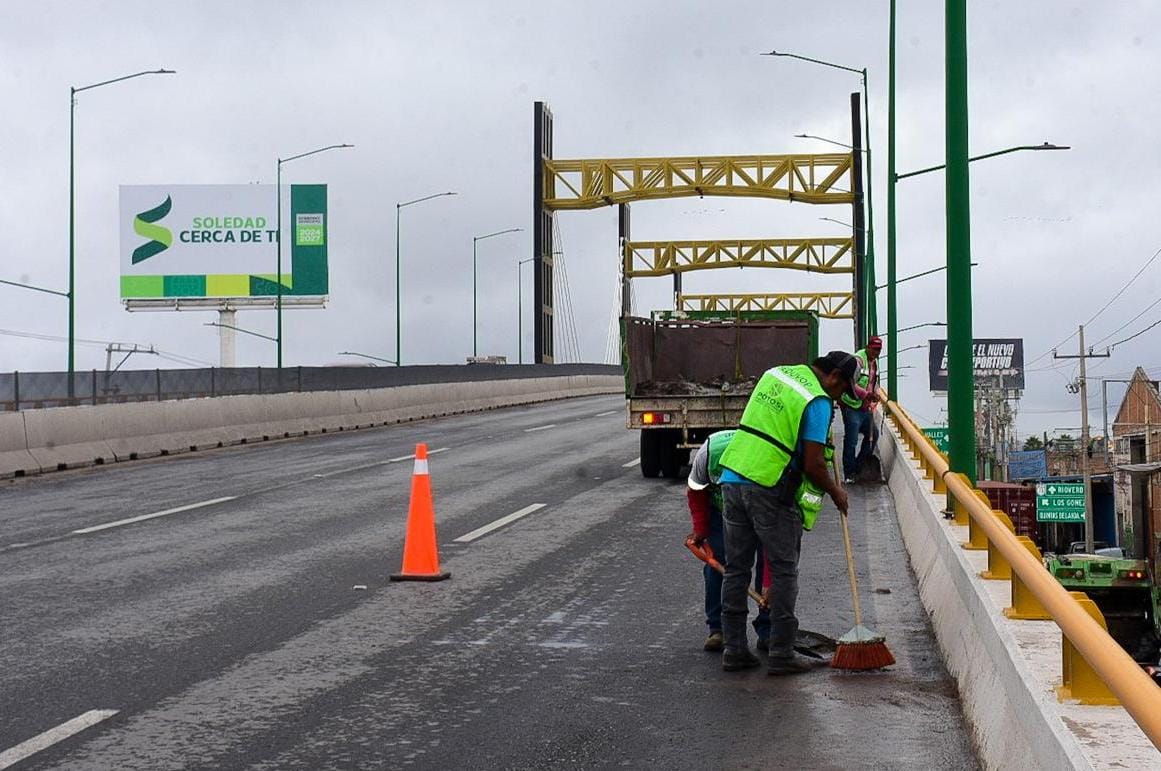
961, 514
1025, 606
977, 541
1091, 656
998, 567
1079, 681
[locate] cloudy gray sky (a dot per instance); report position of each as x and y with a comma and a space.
438, 95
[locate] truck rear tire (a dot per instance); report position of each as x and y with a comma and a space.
673, 457
651, 453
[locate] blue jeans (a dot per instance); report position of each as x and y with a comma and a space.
713, 581
856, 423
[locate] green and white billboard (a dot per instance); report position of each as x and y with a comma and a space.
220, 241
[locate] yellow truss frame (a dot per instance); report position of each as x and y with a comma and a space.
828, 305
589, 184
816, 255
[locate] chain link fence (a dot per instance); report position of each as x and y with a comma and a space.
37, 390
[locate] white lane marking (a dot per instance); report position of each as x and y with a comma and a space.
14, 755
402, 458
539, 428
605, 414
631, 463
482, 531
154, 515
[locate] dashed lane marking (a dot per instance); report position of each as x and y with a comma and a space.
480, 532
154, 515
606, 414
26, 749
632, 463
539, 428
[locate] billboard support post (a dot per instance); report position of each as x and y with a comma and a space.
227, 339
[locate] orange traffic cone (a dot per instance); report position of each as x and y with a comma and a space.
420, 549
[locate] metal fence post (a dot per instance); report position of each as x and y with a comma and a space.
157, 372
259, 378
16, 390
94, 388
300, 378
212, 381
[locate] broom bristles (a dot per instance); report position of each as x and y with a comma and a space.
862, 655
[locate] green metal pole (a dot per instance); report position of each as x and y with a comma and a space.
72, 243
278, 240
892, 311
474, 241
398, 314
869, 276
961, 385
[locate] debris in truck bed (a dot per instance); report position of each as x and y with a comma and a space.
718, 385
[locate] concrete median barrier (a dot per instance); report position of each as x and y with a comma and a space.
70, 437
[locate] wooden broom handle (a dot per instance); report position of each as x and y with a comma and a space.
850, 560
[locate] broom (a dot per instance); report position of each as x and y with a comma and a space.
860, 648
706, 554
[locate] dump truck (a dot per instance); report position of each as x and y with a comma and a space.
690, 374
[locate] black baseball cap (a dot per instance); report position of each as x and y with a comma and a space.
847, 365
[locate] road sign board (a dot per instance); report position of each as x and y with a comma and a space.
1060, 502
939, 435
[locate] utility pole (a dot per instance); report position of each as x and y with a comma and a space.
1084, 355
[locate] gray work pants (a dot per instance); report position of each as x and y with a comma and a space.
756, 515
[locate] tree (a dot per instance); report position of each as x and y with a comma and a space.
1033, 443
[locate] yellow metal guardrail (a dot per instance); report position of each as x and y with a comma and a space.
1095, 669
828, 305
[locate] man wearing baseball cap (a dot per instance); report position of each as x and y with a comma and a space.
857, 408
776, 471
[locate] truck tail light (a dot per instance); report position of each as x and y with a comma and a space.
1133, 575
656, 418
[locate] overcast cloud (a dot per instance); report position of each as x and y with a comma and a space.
438, 95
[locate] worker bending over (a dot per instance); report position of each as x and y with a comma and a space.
776, 472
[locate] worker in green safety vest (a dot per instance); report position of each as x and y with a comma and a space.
777, 469
858, 408
705, 510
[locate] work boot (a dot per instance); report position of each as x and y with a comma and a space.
715, 642
737, 659
795, 664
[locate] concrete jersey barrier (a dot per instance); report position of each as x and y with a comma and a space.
37, 441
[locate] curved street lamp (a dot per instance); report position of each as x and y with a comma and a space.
398, 305
72, 293
476, 240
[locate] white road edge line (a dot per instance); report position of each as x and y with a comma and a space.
604, 414
154, 515
632, 463
539, 428
14, 755
482, 531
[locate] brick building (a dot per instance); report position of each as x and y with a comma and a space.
1137, 442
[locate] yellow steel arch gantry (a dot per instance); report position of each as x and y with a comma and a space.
816, 255
592, 183
828, 305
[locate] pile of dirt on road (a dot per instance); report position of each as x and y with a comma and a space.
715, 387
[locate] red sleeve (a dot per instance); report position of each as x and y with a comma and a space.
699, 510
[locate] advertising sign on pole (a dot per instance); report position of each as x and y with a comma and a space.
1001, 358
219, 241
1060, 502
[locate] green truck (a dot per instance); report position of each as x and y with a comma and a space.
1123, 590
690, 374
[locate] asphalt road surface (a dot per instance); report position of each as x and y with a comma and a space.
251, 624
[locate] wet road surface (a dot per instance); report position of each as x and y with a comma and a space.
228, 632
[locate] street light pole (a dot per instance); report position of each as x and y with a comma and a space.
869, 279
520, 310
398, 295
278, 239
72, 295
961, 378
476, 240
892, 308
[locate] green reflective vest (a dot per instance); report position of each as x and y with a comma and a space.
863, 382
718, 442
766, 441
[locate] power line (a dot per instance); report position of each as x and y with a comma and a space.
1137, 334
1147, 308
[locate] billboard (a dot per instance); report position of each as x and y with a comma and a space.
220, 241
1027, 464
1001, 358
